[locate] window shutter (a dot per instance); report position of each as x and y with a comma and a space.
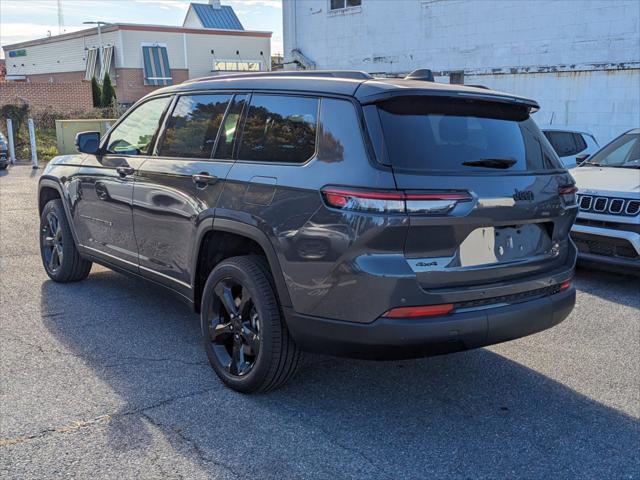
106, 64
156, 66
90, 69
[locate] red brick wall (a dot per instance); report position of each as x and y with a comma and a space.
67, 92
61, 77
58, 97
130, 85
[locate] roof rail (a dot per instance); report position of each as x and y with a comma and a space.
355, 74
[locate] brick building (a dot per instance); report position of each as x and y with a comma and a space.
141, 58
579, 58
56, 97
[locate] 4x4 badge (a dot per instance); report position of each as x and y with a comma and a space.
523, 195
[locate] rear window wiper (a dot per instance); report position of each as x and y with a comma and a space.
491, 163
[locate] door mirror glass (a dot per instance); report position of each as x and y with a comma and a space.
88, 142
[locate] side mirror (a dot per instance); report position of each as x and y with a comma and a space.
88, 142
581, 158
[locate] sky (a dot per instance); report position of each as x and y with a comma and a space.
22, 20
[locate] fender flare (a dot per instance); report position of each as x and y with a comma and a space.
52, 182
257, 235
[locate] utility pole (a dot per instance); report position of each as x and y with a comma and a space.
60, 18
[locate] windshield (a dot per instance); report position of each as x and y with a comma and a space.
623, 152
446, 134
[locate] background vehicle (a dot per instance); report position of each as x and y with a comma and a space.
4, 155
607, 230
572, 145
352, 216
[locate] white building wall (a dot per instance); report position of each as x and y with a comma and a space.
519, 39
605, 103
191, 19
190, 51
132, 41
66, 55
200, 58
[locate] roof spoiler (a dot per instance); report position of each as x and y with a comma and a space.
423, 74
481, 96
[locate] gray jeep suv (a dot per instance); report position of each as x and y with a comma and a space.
328, 212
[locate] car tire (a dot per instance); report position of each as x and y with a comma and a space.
58, 251
245, 336
4, 166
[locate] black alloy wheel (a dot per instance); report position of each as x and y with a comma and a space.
52, 243
245, 335
234, 328
60, 257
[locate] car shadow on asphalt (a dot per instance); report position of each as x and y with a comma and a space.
471, 414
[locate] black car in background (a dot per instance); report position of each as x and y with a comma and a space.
4, 149
329, 212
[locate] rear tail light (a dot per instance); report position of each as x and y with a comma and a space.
393, 201
566, 285
424, 311
568, 194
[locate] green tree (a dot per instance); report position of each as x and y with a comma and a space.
95, 92
108, 92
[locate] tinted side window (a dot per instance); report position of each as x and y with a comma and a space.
566, 144
280, 128
340, 136
581, 143
134, 134
224, 150
192, 128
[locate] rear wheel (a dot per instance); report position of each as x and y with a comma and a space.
245, 337
60, 256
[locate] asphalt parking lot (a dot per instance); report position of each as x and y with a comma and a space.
107, 379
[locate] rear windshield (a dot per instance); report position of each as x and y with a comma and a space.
445, 134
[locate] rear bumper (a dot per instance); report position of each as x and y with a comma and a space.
387, 338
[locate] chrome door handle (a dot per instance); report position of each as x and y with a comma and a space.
124, 171
203, 179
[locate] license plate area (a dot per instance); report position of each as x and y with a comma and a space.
495, 245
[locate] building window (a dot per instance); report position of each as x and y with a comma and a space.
340, 4
236, 66
92, 61
156, 65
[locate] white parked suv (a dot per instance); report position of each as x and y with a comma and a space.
607, 230
573, 145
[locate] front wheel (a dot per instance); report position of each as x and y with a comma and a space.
60, 257
245, 337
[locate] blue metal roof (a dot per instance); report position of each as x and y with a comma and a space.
223, 17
